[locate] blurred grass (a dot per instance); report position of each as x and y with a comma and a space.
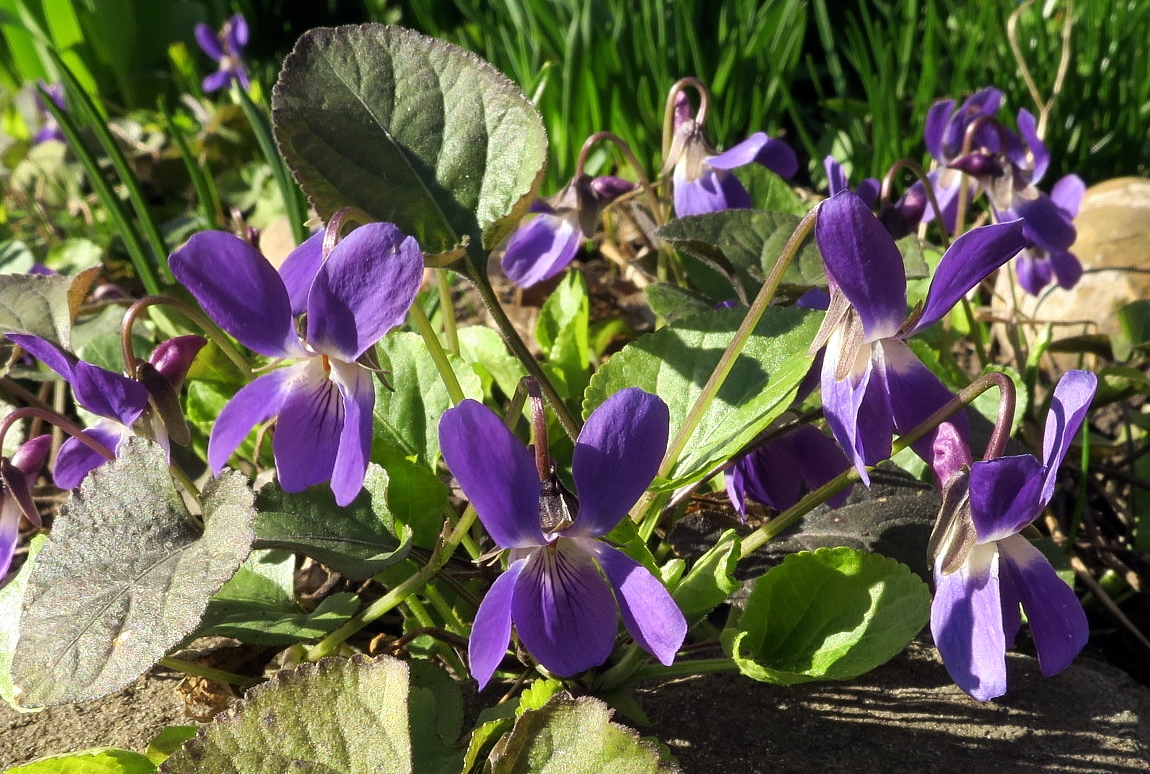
849, 77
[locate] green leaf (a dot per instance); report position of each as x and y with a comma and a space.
357, 540
407, 418
15, 257
1133, 329
672, 302
435, 712
411, 130
485, 351
831, 614
574, 736
41, 305
415, 497
676, 361
258, 606
359, 724
770, 192
11, 600
100, 761
125, 576
562, 333
710, 580
168, 741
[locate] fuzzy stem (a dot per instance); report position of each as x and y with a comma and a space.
447, 307
52, 417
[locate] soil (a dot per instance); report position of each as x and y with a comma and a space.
906, 716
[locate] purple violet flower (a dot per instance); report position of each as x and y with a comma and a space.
49, 128
562, 589
324, 400
551, 240
226, 48
984, 568
702, 181
774, 474
16, 479
1038, 267
872, 382
124, 405
900, 218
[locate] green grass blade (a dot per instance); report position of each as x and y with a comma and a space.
207, 197
292, 197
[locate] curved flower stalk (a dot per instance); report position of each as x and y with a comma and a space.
324, 400
16, 479
551, 240
148, 407
564, 585
774, 474
702, 181
984, 569
872, 383
1038, 267
227, 48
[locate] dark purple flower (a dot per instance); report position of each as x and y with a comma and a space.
49, 128
900, 218
984, 569
774, 474
563, 590
122, 403
872, 383
702, 181
551, 240
1036, 266
16, 479
227, 48
324, 400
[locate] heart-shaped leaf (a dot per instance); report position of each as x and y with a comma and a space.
411, 130
125, 577
676, 361
831, 614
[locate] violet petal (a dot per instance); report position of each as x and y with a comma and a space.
563, 609
239, 290
107, 394
309, 429
76, 459
616, 456
1004, 495
363, 290
862, 259
1067, 194
299, 269
496, 472
254, 403
542, 248
967, 262
649, 612
209, 41
1068, 407
966, 621
358, 393
491, 632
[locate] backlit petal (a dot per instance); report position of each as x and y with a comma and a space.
616, 456
491, 632
649, 612
1067, 193
299, 269
1068, 408
239, 290
862, 259
363, 290
563, 609
1057, 621
1067, 269
967, 262
496, 472
935, 128
857, 410
1004, 495
1044, 222
966, 621
773, 154
76, 459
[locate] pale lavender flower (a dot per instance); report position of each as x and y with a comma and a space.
227, 48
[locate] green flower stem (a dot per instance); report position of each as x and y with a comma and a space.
420, 614
400, 593
218, 675
447, 307
772, 528
519, 349
702, 666
735, 348
419, 320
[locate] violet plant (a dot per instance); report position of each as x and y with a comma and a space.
391, 446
